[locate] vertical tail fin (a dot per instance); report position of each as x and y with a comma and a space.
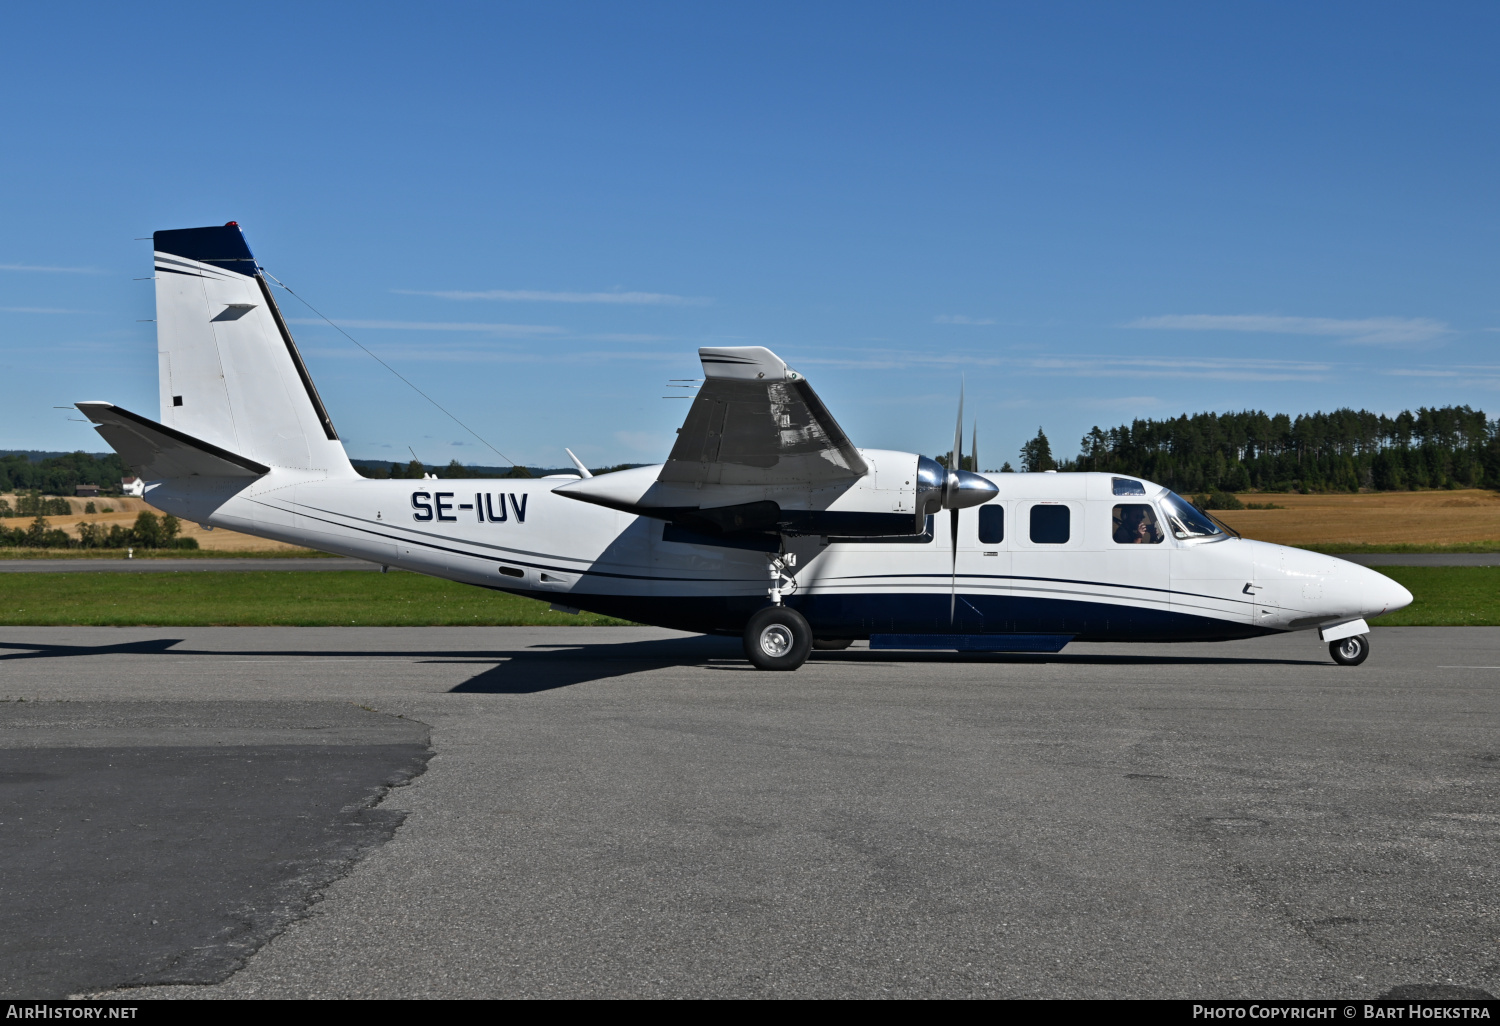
230, 372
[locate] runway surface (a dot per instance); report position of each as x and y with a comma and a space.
632, 812
1422, 558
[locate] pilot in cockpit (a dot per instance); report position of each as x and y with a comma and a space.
1135, 524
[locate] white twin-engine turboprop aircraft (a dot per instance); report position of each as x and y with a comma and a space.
765, 521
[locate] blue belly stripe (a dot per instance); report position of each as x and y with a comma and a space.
974, 642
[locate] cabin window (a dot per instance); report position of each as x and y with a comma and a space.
1050, 525
1125, 486
1135, 523
991, 525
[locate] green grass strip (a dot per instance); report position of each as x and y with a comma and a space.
1445, 596
263, 598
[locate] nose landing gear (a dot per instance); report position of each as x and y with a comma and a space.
1350, 651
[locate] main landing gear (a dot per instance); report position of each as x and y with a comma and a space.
778, 638
1350, 651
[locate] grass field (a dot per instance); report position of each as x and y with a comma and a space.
264, 598
125, 508
1445, 596
1463, 521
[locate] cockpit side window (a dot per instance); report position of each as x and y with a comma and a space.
1126, 486
1135, 523
1185, 520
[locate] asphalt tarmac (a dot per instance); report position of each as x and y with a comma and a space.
164, 842
616, 812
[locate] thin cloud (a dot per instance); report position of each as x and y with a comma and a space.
1208, 369
445, 354
961, 319
532, 296
1481, 374
625, 338
1373, 331
503, 330
50, 270
1084, 365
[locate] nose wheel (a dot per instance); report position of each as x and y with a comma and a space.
778, 638
1350, 651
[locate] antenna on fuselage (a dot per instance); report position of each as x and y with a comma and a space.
578, 463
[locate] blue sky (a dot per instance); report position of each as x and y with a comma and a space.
538, 212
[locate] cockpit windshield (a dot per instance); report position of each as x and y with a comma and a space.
1184, 519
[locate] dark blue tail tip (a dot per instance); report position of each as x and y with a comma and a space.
221, 246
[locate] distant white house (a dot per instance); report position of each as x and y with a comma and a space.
132, 486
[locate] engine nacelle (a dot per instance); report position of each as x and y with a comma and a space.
893, 499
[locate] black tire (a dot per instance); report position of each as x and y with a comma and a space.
831, 644
778, 638
1350, 651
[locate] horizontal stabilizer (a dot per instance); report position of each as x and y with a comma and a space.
157, 452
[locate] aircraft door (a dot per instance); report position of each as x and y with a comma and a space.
983, 568
1134, 567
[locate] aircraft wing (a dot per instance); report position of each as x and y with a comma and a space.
756, 421
155, 451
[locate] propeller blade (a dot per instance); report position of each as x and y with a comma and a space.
957, 455
974, 446
953, 577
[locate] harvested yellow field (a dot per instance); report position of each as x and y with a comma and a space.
125, 511
1376, 518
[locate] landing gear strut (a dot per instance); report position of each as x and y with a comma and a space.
1350, 651
778, 638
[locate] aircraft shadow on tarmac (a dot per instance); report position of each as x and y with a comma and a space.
532, 670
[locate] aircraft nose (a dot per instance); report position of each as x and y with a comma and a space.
1385, 595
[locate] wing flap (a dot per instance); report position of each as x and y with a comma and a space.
157, 452
756, 421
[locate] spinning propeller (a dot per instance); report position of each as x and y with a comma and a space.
961, 489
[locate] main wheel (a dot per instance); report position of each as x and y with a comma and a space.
1350, 651
778, 638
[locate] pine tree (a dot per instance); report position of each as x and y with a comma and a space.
1036, 455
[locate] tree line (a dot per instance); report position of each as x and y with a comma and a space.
60, 475
1341, 451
